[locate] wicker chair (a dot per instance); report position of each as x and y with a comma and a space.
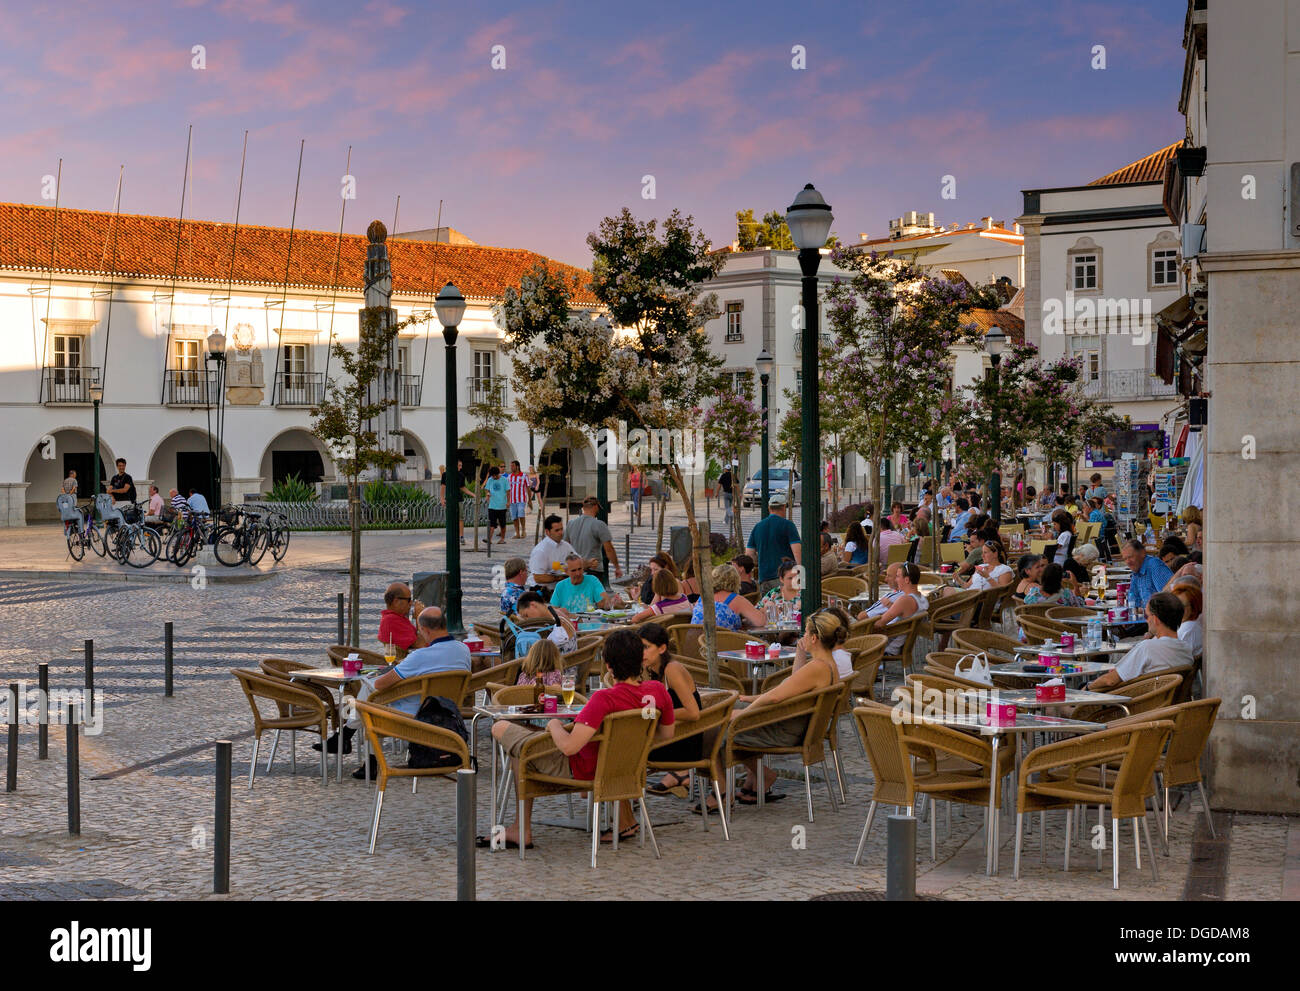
990, 643
524, 694
868, 653
1038, 629
1153, 692
843, 586
891, 770
380, 723
1063, 770
491, 632
952, 552
585, 658
715, 714
949, 613
1059, 613
942, 662
625, 739
995, 604
908, 629
445, 684
296, 708
278, 667
699, 670
338, 653
819, 706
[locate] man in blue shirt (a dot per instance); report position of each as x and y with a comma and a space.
961, 520
197, 503
1150, 574
498, 489
774, 537
581, 592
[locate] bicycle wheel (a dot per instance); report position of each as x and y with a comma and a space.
145, 545
96, 540
259, 540
280, 542
230, 546
75, 547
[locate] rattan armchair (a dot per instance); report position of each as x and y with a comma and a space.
1059, 613
1039, 628
625, 739
818, 706
524, 694
445, 684
715, 714
1062, 775
278, 667
491, 632
949, 613
699, 671
995, 645
296, 708
909, 629
843, 586
1156, 691
338, 653
380, 723
891, 769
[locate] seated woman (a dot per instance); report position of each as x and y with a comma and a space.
784, 593
657, 563
730, 609
658, 665
1087, 556
824, 631
668, 598
542, 662
1192, 630
1051, 590
1063, 523
856, 549
897, 516
691, 584
1029, 572
994, 570
1192, 517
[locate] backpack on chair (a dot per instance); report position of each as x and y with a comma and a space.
445, 714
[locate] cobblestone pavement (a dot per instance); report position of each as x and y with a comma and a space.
147, 779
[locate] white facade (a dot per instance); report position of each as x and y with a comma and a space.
1101, 261
58, 335
983, 251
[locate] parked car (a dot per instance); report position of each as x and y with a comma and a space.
778, 481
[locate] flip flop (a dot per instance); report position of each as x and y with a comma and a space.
485, 843
607, 835
746, 797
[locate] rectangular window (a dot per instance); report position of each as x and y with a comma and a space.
798, 381
1085, 271
67, 358
1164, 267
185, 355
734, 312
404, 359
295, 366
1092, 365
483, 369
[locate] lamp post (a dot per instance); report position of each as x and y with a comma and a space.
994, 341
217, 353
450, 306
96, 397
764, 364
809, 219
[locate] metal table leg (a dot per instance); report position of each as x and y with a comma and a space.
992, 822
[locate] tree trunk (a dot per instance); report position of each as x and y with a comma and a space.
704, 573
354, 565
541, 499
737, 492
663, 506
873, 541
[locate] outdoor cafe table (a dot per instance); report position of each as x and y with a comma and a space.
926, 589
1027, 698
1080, 649
754, 663
513, 713
1136, 624
773, 631
1026, 722
1016, 669
337, 680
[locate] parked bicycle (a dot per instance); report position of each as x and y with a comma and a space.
241, 537
186, 538
133, 542
83, 534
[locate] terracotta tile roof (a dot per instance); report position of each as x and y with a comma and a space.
1149, 169
985, 320
146, 247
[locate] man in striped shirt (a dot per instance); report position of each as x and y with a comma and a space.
518, 498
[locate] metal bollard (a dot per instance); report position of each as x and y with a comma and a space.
43, 730
11, 768
466, 826
74, 775
167, 660
221, 848
90, 679
627, 551
900, 866
652, 514
340, 639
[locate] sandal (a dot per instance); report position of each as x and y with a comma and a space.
681, 789
714, 808
747, 797
607, 835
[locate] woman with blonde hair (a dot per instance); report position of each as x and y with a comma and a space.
730, 609
542, 663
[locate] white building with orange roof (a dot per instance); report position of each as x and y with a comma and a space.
983, 251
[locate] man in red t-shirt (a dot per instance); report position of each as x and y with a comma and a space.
576, 756
395, 625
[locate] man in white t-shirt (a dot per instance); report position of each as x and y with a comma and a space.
546, 562
1163, 650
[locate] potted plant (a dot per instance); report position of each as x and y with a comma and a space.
712, 472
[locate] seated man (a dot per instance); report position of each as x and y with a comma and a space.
1161, 650
198, 503
1148, 573
516, 574
576, 755
531, 607
155, 506
435, 651
395, 626
976, 555
892, 592
744, 565
830, 559
180, 508
581, 592
546, 562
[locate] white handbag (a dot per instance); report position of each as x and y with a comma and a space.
978, 670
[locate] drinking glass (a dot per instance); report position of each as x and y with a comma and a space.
567, 688
390, 654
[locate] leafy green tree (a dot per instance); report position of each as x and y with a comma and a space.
347, 420
770, 232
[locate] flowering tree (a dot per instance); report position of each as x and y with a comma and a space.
886, 368
731, 425
1064, 419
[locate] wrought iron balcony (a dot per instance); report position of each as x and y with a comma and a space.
408, 389
1128, 383
190, 387
69, 385
485, 390
300, 389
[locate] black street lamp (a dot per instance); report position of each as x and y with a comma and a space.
809, 219
994, 341
450, 306
217, 353
96, 397
764, 363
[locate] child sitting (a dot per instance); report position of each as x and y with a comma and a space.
542, 662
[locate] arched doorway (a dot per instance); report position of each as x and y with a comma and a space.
187, 459
573, 465
416, 467
295, 452
53, 457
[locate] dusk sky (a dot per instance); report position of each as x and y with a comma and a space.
594, 96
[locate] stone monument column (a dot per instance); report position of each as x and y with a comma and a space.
379, 293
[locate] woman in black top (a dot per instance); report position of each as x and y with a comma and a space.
657, 665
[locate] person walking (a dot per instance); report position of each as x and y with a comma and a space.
725, 482
773, 538
498, 490
519, 497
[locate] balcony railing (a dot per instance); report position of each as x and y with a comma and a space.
408, 389
1128, 383
300, 389
190, 387
69, 385
485, 390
